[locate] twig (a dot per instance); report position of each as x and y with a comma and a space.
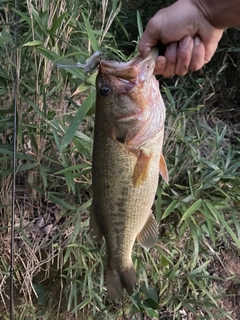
11, 311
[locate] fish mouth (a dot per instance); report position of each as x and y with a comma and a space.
128, 72
138, 115
127, 119
127, 81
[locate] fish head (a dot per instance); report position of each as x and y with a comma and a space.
126, 93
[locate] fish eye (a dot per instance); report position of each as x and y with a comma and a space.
104, 90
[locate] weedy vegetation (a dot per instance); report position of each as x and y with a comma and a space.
192, 272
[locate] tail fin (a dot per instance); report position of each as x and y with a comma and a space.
119, 280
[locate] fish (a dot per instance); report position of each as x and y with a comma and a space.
126, 162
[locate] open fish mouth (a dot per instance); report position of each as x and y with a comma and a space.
124, 80
127, 72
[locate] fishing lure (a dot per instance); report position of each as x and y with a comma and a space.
89, 66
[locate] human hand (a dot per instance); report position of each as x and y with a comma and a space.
190, 38
180, 57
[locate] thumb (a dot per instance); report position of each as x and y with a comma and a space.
145, 44
149, 39
211, 43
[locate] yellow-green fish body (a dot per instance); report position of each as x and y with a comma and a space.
127, 157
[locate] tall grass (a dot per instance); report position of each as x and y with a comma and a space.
58, 272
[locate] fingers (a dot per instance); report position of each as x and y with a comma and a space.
160, 65
171, 56
186, 55
181, 57
185, 50
198, 55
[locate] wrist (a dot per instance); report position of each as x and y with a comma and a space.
221, 14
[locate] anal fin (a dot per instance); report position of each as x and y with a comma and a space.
163, 168
95, 232
141, 169
149, 234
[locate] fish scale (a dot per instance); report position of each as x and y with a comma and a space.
112, 206
127, 152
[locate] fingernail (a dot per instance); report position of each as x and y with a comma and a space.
161, 62
173, 47
145, 52
185, 42
197, 41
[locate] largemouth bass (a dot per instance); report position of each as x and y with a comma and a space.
127, 158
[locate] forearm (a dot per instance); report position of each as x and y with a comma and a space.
220, 13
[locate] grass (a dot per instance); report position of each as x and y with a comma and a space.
58, 273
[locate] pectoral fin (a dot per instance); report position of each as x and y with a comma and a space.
95, 232
149, 234
141, 169
163, 168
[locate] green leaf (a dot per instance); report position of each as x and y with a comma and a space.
224, 223
34, 106
150, 293
39, 20
84, 206
41, 292
33, 43
81, 112
153, 314
211, 165
91, 36
199, 269
70, 181
139, 24
195, 243
57, 22
73, 168
150, 303
170, 209
4, 74
59, 201
48, 53
194, 207
43, 173
22, 168
25, 17
191, 184
173, 272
